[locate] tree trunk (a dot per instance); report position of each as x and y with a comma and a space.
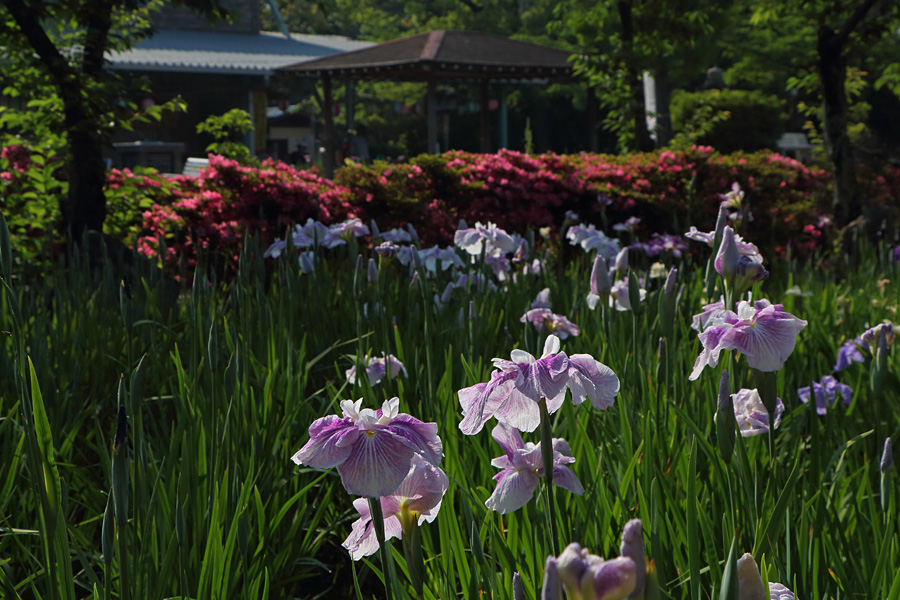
833, 73
636, 104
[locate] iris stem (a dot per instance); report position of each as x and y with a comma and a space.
547, 457
384, 548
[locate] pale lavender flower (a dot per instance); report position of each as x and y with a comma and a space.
518, 587
710, 315
419, 496
307, 262
632, 546
372, 272
473, 240
350, 228
522, 468
275, 250
751, 415
588, 576
435, 255
763, 332
589, 238
545, 320
745, 248
372, 449
499, 264
377, 368
619, 298
397, 236
517, 386
826, 393
604, 200
629, 225
476, 280
542, 300
387, 249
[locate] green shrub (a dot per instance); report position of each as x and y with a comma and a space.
755, 120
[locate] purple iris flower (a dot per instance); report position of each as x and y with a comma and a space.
619, 298
589, 238
372, 449
777, 591
474, 239
826, 393
751, 415
387, 249
377, 368
517, 386
710, 314
745, 248
523, 468
763, 332
849, 353
349, 229
542, 300
418, 497
630, 224
544, 319
588, 576
397, 236
447, 258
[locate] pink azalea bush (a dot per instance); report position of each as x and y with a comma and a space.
215, 212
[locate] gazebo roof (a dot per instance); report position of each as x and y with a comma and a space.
444, 54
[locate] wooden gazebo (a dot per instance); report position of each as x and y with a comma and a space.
442, 56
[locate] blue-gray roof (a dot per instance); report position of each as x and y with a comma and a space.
228, 53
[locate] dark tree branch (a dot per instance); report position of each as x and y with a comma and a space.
97, 16
852, 22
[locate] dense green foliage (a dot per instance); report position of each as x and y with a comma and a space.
221, 382
754, 120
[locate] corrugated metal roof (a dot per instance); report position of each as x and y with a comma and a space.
228, 53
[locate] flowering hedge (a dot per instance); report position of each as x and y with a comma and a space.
217, 209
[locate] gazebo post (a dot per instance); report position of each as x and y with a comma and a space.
330, 142
431, 116
485, 122
591, 108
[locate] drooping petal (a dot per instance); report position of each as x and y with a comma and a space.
766, 342
480, 401
518, 410
422, 437
514, 490
546, 377
377, 463
508, 438
589, 378
424, 486
565, 478
325, 448
712, 346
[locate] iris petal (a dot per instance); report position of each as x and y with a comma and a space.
327, 446
377, 464
513, 491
